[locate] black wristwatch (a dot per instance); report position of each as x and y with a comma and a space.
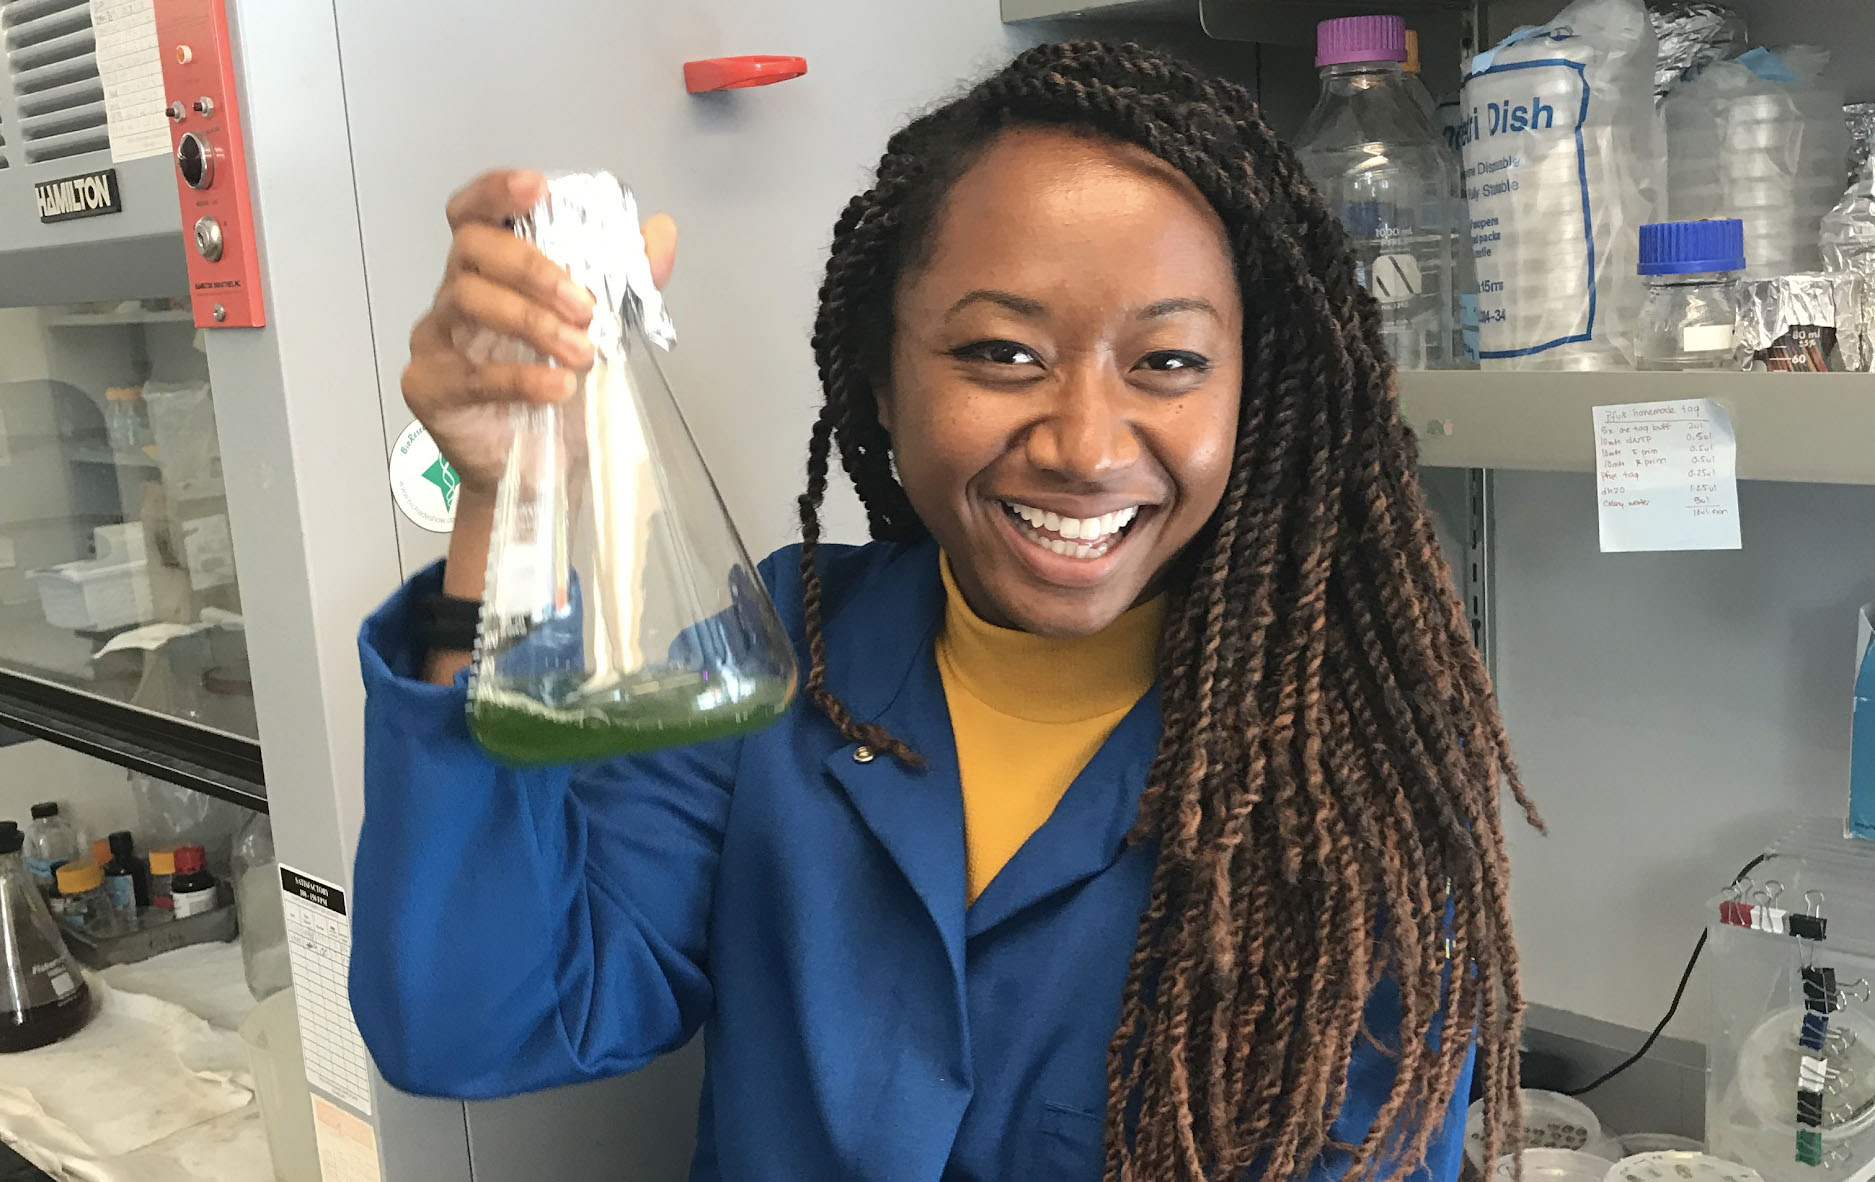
447, 624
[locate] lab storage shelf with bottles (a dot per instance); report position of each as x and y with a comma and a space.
126, 943
1580, 124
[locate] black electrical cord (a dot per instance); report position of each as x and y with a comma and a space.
1672, 1009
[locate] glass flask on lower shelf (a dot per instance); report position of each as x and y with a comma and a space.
43, 995
621, 612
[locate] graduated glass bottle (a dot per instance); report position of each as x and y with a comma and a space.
621, 612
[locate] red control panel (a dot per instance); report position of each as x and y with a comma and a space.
211, 163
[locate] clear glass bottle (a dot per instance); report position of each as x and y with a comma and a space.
1416, 82
1689, 316
43, 996
50, 843
621, 612
263, 915
1371, 150
128, 423
87, 907
162, 873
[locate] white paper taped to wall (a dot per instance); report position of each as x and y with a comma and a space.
131, 67
1666, 477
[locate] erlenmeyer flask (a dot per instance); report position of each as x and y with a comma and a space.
621, 612
43, 996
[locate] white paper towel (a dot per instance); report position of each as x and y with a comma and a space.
152, 1090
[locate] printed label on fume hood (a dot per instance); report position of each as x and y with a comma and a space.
88, 195
348, 1148
209, 551
1666, 477
422, 482
131, 68
319, 947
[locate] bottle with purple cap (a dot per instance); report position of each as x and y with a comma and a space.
1376, 157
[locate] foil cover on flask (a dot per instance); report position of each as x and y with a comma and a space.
621, 612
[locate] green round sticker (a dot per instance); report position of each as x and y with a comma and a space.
422, 482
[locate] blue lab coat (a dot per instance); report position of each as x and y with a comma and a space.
802, 905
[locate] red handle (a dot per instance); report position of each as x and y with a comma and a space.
734, 73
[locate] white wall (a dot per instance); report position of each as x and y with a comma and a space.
91, 793
1672, 713
755, 179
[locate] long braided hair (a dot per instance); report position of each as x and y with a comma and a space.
1324, 799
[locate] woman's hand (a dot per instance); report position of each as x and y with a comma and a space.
498, 282
502, 283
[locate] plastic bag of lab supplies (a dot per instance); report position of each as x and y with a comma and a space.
1563, 154
169, 816
1761, 139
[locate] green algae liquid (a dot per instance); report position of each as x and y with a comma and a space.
645, 714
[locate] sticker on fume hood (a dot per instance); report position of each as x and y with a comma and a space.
422, 482
88, 195
348, 1147
319, 947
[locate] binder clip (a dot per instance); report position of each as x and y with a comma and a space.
1809, 1109
1809, 1147
1813, 1075
1754, 907
1811, 925
1819, 991
1815, 1033
1822, 995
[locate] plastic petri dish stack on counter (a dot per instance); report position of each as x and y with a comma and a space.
1553, 1165
1635, 1144
1551, 1120
1679, 1166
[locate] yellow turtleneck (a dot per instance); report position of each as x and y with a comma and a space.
1029, 712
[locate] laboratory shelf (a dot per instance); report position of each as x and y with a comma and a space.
1230, 20
117, 319
94, 454
1816, 428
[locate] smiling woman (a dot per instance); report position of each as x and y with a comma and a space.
1140, 819
1071, 343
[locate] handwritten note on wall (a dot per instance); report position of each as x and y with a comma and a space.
1666, 476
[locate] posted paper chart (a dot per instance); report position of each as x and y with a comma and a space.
319, 944
1666, 477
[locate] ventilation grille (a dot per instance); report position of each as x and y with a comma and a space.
53, 60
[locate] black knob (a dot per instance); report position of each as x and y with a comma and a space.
195, 161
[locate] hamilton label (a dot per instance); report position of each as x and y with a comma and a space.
89, 195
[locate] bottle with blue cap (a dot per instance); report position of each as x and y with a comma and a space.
1689, 318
